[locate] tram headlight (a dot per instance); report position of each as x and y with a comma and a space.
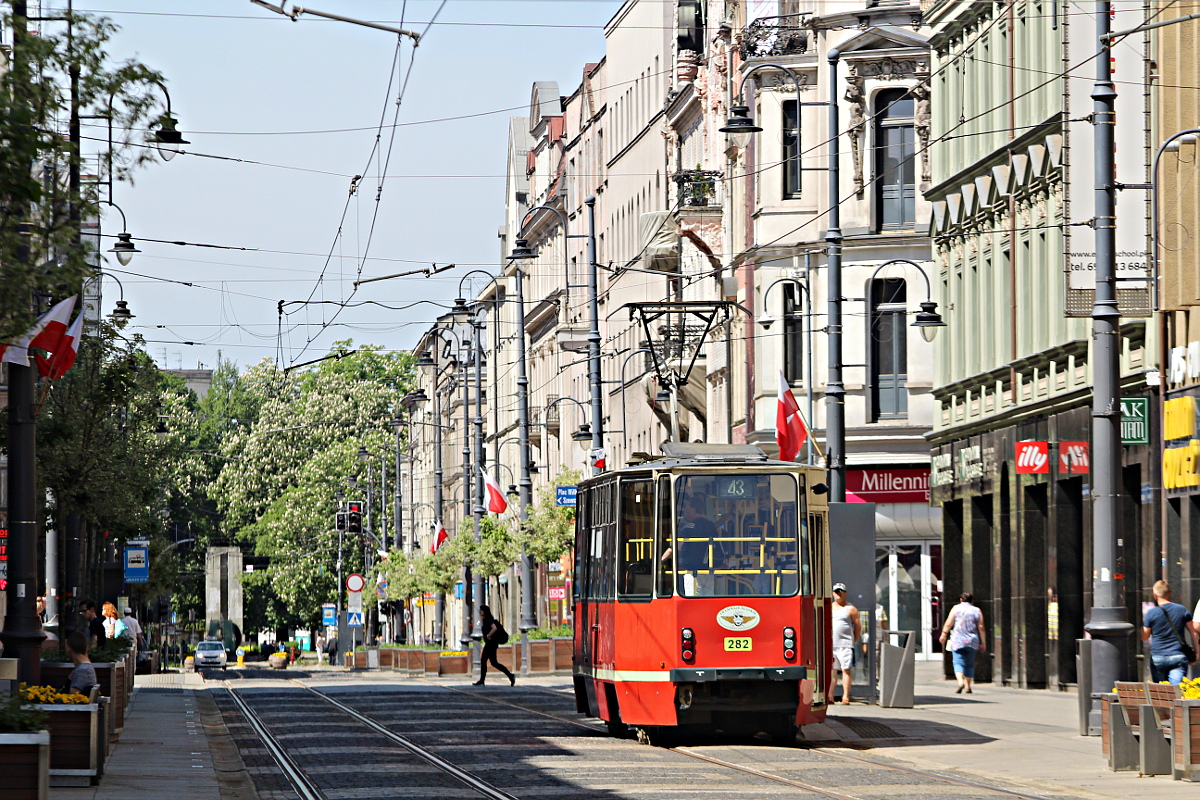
688, 643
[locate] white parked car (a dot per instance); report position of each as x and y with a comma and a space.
211, 654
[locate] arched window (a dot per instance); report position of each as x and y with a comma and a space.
895, 162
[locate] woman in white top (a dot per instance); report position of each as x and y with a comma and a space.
964, 629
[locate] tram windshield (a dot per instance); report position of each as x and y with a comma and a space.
736, 535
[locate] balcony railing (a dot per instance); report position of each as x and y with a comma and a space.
775, 36
699, 188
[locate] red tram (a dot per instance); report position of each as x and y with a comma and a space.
702, 594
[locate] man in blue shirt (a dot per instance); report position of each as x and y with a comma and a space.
1168, 625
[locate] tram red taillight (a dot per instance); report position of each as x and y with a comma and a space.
789, 642
688, 643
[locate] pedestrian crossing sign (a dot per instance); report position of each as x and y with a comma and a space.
354, 619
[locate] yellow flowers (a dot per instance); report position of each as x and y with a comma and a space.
49, 695
1190, 688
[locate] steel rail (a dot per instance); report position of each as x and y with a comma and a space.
299, 779
751, 770
478, 784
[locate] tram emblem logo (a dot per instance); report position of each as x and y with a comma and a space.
737, 618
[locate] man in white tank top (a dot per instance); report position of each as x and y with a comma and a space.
847, 628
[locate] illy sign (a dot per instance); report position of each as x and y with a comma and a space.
1032, 457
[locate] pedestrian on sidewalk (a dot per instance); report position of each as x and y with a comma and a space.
320, 649
95, 625
847, 628
494, 635
83, 676
133, 628
964, 630
1171, 626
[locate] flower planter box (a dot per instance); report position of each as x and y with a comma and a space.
120, 694
58, 675
562, 654
1185, 742
432, 658
453, 664
25, 765
539, 655
74, 751
278, 661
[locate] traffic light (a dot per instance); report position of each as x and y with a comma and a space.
341, 521
164, 608
354, 517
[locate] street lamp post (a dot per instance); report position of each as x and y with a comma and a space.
595, 386
1107, 623
341, 626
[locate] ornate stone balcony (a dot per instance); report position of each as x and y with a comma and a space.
767, 37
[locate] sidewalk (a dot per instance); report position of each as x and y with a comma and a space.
1023, 736
174, 745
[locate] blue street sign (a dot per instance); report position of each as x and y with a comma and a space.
565, 495
137, 564
328, 614
354, 619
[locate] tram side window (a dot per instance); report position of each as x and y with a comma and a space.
662, 557
583, 538
604, 541
636, 539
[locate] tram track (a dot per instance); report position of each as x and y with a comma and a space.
309, 788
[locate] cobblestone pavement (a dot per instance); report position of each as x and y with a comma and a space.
530, 743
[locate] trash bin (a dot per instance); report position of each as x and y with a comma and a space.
897, 664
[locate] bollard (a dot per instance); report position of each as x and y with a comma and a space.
241, 654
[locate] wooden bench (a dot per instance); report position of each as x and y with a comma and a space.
1138, 738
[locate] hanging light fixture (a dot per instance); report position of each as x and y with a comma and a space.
928, 321
522, 250
124, 249
121, 314
740, 126
167, 138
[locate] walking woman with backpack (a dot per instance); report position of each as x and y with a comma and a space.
494, 635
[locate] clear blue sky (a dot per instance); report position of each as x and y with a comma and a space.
252, 85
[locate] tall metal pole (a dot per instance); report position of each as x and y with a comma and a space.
368, 559
594, 377
468, 606
1108, 623
341, 623
22, 634
525, 486
383, 499
439, 499
808, 354
397, 501
835, 389
478, 589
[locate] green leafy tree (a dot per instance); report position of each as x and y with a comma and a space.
549, 532
40, 211
495, 551
282, 468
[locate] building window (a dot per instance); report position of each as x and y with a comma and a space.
888, 349
793, 335
791, 148
895, 161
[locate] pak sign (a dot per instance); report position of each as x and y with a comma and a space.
565, 495
137, 564
1135, 422
329, 614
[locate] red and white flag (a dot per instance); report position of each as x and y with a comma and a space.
45, 334
598, 457
63, 357
495, 495
439, 538
790, 430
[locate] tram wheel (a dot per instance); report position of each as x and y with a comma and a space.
783, 731
654, 736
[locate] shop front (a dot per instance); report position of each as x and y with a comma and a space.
1016, 534
908, 552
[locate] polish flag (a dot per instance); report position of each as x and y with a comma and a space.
790, 430
62, 358
495, 495
598, 457
439, 538
45, 334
